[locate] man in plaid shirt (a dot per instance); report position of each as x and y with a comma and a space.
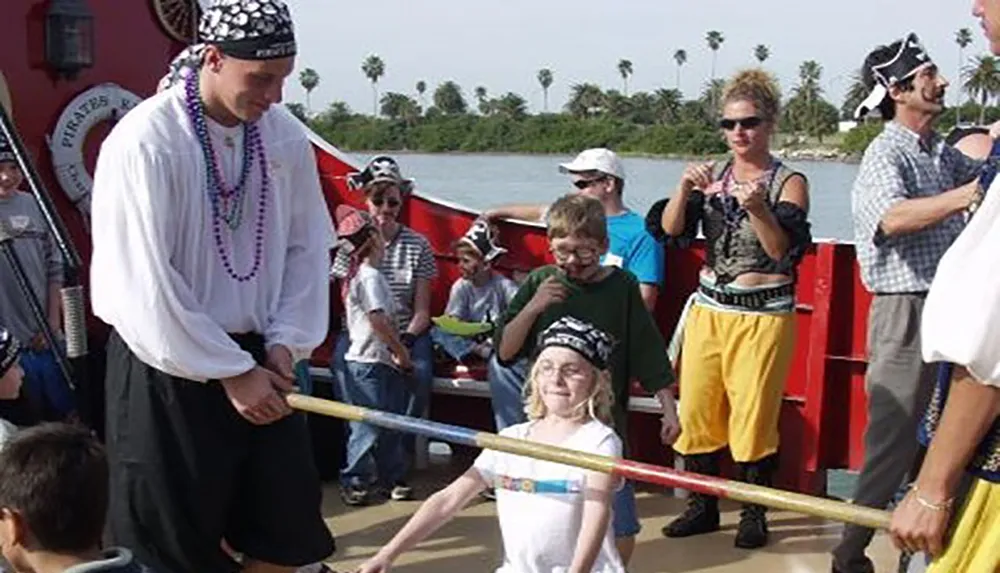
909, 202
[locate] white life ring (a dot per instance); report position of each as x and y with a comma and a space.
100, 103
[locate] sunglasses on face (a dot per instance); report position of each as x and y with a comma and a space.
582, 184
744, 122
391, 203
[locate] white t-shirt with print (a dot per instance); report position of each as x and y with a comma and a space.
540, 503
367, 292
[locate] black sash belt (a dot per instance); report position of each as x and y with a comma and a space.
751, 300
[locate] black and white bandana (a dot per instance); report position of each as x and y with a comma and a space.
909, 59
6, 150
10, 349
481, 237
249, 29
380, 169
568, 332
243, 29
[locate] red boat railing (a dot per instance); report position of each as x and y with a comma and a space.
823, 416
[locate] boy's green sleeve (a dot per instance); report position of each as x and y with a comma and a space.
647, 350
523, 296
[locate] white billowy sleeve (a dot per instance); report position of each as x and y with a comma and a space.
302, 318
962, 310
134, 286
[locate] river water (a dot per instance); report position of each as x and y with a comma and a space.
485, 180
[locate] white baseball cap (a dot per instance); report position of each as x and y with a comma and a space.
598, 159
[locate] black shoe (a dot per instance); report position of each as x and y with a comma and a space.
752, 532
401, 491
702, 513
354, 495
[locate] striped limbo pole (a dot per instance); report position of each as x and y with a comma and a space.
668, 477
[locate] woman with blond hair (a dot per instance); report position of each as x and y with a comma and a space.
739, 328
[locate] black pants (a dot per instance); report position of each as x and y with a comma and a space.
187, 471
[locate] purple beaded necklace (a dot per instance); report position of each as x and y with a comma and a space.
228, 203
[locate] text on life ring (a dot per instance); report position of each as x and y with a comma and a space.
103, 102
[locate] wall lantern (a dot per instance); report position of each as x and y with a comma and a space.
69, 37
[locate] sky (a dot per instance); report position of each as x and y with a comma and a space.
501, 44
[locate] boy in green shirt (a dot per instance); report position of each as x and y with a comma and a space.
607, 297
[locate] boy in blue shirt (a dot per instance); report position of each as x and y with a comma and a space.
599, 173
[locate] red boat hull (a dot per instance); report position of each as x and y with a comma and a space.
824, 412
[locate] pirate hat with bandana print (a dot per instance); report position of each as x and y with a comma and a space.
6, 151
242, 29
381, 168
590, 342
908, 58
10, 349
482, 238
353, 228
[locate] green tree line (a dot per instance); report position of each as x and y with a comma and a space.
661, 122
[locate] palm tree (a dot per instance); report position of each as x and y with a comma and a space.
421, 90
586, 100
625, 69
681, 57
982, 81
309, 80
484, 105
963, 38
809, 88
374, 68
545, 78
715, 40
761, 52
856, 93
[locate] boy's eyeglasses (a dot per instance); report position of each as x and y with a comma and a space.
744, 122
582, 184
583, 255
391, 203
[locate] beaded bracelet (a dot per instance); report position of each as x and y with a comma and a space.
944, 505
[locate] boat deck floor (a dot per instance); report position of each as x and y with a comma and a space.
471, 542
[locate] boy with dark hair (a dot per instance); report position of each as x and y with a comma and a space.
53, 503
607, 297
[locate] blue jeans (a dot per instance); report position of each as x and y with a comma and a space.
625, 516
458, 347
374, 452
44, 383
507, 391
417, 386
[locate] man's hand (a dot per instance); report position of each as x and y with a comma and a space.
279, 361
401, 356
919, 529
550, 292
255, 395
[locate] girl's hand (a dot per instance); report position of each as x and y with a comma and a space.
374, 565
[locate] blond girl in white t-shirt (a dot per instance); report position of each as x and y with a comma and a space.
553, 518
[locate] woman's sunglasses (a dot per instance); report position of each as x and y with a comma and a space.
391, 203
744, 122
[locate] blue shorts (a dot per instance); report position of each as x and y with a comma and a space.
625, 518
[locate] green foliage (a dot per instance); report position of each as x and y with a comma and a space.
856, 141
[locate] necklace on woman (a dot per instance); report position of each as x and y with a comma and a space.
732, 212
228, 203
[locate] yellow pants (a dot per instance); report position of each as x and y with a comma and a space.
975, 545
733, 368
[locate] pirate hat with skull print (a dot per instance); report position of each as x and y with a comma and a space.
381, 169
